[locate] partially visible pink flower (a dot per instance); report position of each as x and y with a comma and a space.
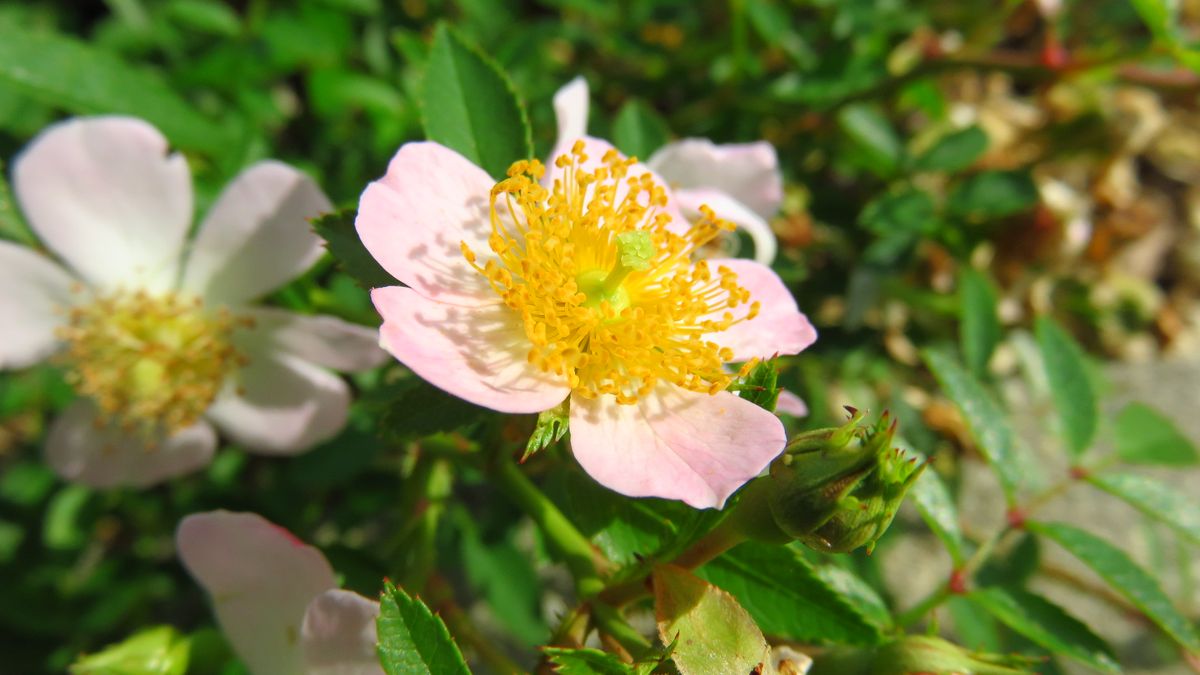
521, 295
276, 599
740, 182
158, 333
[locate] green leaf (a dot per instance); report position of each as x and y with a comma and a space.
933, 501
711, 631
992, 194
861, 595
470, 105
1046, 624
1012, 566
1069, 384
1145, 436
979, 332
909, 211
1155, 499
63, 528
77, 77
639, 130
586, 662
205, 16
627, 530
154, 651
975, 628
870, 130
786, 596
414, 408
412, 640
989, 425
551, 426
1159, 16
337, 229
953, 152
1131, 581
773, 23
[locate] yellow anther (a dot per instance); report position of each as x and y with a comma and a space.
151, 363
607, 292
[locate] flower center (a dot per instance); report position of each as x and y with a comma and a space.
152, 363
608, 293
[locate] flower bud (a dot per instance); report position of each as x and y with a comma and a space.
838, 489
913, 654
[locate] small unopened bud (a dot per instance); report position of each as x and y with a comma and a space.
918, 654
838, 489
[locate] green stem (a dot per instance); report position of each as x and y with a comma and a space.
464, 631
918, 611
577, 552
610, 622
981, 554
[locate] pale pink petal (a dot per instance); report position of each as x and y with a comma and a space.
82, 448
595, 149
791, 404
280, 404
779, 328
415, 218
476, 353
261, 580
338, 635
748, 172
324, 340
739, 214
571, 110
675, 444
105, 194
32, 305
257, 236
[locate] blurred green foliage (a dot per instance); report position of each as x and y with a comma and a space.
910, 219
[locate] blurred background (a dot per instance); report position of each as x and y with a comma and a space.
1028, 158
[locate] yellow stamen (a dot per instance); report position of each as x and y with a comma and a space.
151, 363
609, 295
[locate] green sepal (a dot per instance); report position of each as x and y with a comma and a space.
552, 425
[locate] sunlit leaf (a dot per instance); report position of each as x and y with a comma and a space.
989, 424
1046, 624
979, 332
787, 597
469, 105
1125, 576
992, 194
80, 78
711, 631
1145, 436
954, 151
639, 130
412, 640
933, 501
1155, 499
1069, 385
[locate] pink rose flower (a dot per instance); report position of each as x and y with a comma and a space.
156, 332
525, 294
276, 599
